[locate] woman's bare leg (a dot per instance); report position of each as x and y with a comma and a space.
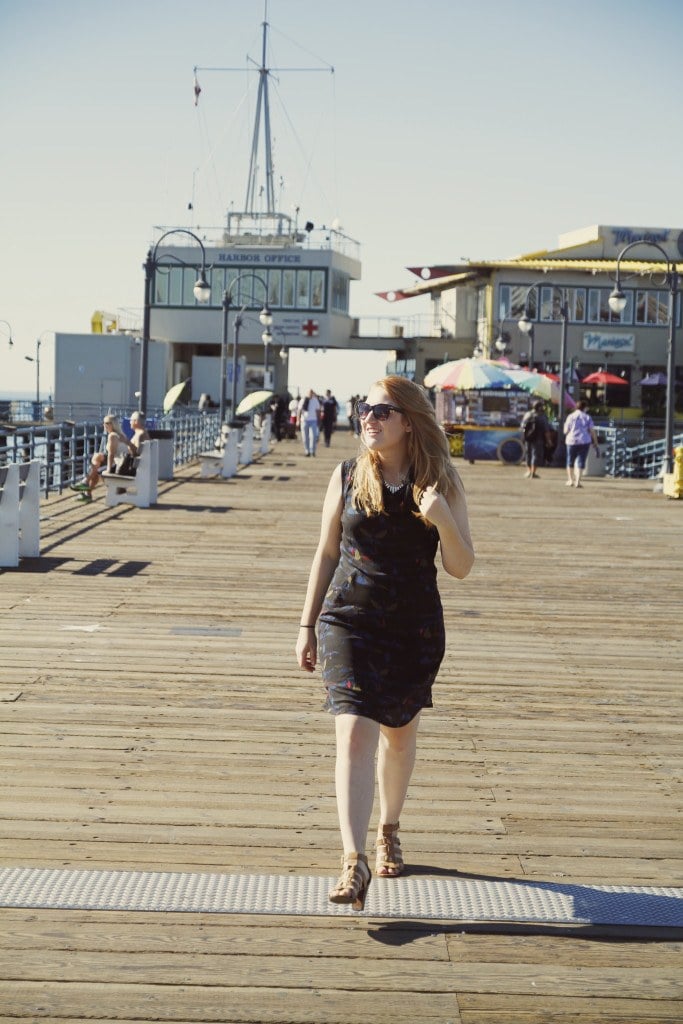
395, 763
355, 778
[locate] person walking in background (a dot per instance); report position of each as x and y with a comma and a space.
309, 421
116, 447
579, 434
278, 413
535, 432
354, 422
372, 588
351, 412
329, 416
293, 416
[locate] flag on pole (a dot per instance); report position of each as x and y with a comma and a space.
197, 90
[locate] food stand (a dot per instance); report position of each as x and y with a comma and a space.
483, 424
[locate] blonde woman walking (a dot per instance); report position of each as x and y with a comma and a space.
372, 592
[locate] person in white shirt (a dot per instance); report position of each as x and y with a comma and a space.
579, 434
309, 421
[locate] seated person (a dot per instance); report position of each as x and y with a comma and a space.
137, 422
116, 448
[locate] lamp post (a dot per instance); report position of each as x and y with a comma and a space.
526, 325
266, 318
502, 341
528, 329
617, 303
284, 350
202, 293
9, 328
36, 359
267, 338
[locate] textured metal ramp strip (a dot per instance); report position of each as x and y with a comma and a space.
453, 899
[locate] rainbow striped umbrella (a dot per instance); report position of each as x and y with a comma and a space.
467, 375
541, 385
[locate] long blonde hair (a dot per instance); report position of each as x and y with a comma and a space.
428, 451
113, 422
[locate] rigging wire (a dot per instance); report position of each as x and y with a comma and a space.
210, 144
307, 157
211, 148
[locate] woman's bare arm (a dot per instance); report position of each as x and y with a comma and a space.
449, 516
324, 563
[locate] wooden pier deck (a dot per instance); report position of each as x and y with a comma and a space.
154, 718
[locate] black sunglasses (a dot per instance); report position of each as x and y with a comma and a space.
381, 411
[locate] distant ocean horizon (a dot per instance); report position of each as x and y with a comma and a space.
21, 396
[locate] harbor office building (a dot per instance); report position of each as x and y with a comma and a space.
303, 277
477, 306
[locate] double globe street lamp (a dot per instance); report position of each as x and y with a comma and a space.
526, 325
502, 341
266, 319
201, 290
9, 329
617, 302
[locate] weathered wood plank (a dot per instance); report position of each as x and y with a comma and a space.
267, 1004
553, 753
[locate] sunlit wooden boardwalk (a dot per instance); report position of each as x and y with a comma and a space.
153, 718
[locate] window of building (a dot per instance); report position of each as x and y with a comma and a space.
647, 306
551, 301
652, 307
511, 301
593, 305
340, 292
288, 286
300, 289
274, 288
161, 288
216, 278
317, 289
303, 287
576, 301
175, 286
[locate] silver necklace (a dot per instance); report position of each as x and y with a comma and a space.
395, 488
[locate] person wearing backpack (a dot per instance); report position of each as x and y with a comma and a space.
535, 432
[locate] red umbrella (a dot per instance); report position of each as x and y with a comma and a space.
601, 377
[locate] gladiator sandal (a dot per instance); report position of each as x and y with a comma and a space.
389, 857
352, 885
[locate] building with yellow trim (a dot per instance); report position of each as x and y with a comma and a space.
476, 306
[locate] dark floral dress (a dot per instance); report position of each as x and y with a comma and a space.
381, 633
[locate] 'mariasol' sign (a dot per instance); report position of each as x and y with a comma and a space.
595, 341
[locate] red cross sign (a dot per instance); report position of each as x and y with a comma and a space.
310, 328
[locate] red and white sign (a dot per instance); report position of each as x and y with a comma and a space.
310, 328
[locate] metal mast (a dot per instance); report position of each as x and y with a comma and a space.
262, 113
262, 103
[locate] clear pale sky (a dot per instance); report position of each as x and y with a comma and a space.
449, 129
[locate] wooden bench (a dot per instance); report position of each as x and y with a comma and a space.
141, 489
19, 512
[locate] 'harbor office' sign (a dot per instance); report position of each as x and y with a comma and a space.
594, 341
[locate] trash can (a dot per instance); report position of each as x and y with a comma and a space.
596, 463
166, 450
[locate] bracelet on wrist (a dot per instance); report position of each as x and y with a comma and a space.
302, 625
